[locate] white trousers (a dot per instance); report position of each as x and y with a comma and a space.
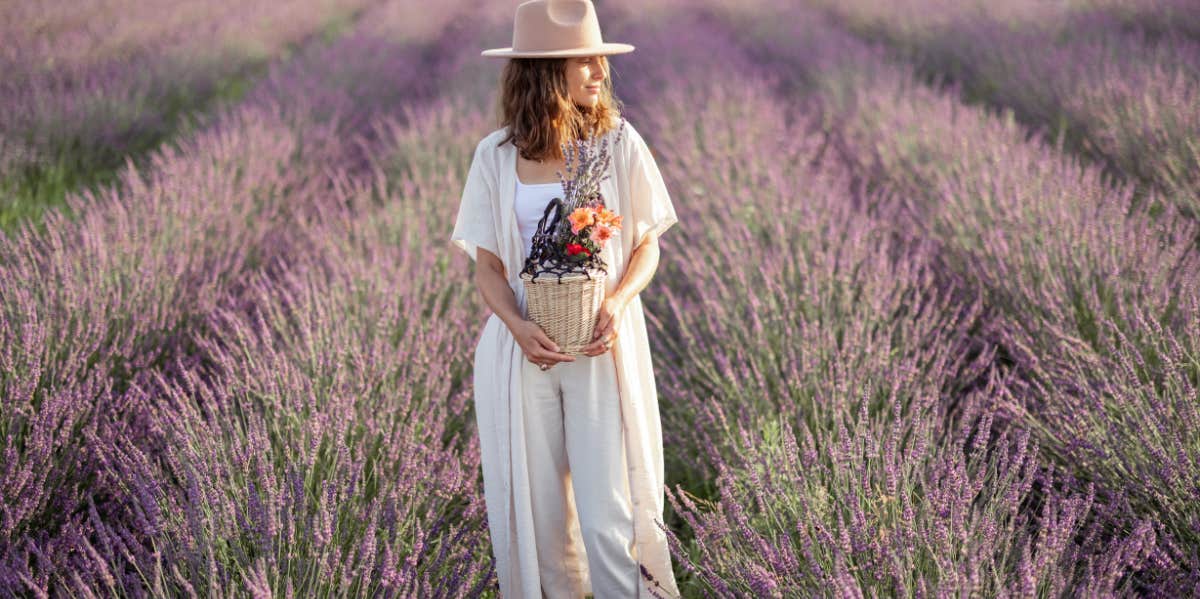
574, 436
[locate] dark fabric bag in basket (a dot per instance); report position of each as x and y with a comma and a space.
562, 298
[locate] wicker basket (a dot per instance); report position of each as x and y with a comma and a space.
566, 307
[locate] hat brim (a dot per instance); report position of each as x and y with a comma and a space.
604, 49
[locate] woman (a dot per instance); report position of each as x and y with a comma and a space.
571, 445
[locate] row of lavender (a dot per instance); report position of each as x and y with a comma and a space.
1092, 311
1123, 96
97, 313
1152, 16
89, 84
325, 442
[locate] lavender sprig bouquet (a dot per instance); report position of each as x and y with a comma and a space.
591, 167
588, 223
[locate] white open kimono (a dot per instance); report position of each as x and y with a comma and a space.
486, 219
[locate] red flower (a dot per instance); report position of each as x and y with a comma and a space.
575, 248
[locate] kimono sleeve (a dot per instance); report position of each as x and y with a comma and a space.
475, 225
652, 209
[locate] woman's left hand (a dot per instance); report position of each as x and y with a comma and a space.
606, 326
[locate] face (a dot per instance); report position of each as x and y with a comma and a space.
585, 75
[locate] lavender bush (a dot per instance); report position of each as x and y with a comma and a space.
1153, 16
824, 311
1121, 97
87, 86
1069, 271
95, 306
323, 447
886, 509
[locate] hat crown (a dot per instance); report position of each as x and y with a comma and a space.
547, 25
550, 28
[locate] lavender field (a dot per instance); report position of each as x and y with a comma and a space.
929, 324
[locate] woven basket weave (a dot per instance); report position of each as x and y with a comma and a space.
565, 308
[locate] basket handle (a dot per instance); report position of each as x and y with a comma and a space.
542, 241
556, 204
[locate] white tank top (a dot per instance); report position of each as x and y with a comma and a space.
530, 204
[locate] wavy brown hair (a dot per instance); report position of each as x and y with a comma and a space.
536, 106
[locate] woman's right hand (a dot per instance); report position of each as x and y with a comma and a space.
537, 345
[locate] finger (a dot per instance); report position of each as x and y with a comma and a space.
601, 322
550, 356
545, 340
597, 346
601, 327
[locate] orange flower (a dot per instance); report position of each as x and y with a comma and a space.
609, 218
580, 218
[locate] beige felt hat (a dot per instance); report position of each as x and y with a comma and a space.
550, 28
